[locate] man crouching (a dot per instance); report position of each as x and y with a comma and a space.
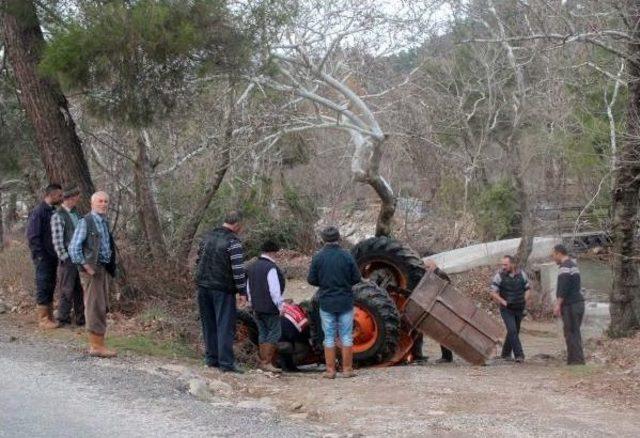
93, 250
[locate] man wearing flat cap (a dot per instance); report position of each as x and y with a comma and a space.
334, 271
63, 224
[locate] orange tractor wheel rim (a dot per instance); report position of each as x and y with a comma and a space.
385, 265
365, 330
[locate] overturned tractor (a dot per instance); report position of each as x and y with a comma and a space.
383, 332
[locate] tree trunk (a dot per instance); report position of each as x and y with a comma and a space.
11, 216
1, 225
526, 222
625, 294
42, 99
146, 197
190, 228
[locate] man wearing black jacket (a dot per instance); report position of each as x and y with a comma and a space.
220, 275
43, 254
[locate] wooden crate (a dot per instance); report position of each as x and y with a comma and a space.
440, 312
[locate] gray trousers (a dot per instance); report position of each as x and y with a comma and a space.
96, 300
572, 315
70, 293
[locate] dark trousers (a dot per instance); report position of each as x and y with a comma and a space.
218, 316
45, 280
512, 320
70, 293
446, 354
572, 315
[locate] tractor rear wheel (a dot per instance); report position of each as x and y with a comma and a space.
376, 324
245, 344
389, 263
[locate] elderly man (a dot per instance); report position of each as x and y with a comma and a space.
220, 275
43, 254
334, 271
63, 224
510, 289
93, 251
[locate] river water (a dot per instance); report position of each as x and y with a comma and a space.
597, 280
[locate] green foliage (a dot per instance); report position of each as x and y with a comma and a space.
146, 345
132, 58
496, 210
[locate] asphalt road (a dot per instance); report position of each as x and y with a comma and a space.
49, 389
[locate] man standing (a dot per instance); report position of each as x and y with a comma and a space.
43, 254
265, 288
569, 303
63, 224
510, 290
93, 251
334, 271
220, 275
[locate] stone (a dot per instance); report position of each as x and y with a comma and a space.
218, 386
300, 416
199, 389
295, 406
3, 308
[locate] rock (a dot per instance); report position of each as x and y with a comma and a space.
218, 386
300, 416
261, 404
3, 308
199, 389
295, 406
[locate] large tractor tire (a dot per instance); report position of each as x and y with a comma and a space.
388, 263
245, 344
376, 324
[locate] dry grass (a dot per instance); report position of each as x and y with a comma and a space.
16, 274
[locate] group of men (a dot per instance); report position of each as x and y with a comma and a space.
78, 254
510, 290
75, 254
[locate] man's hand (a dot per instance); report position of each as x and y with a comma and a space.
88, 269
557, 310
430, 265
242, 301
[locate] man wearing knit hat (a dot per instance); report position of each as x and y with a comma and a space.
63, 224
334, 271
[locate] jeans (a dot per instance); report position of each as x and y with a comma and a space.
512, 320
269, 329
45, 280
572, 315
218, 316
334, 324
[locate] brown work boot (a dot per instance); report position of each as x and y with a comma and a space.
45, 321
97, 347
347, 362
267, 352
330, 360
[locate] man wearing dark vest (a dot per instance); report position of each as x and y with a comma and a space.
43, 255
220, 275
265, 289
63, 224
92, 249
510, 290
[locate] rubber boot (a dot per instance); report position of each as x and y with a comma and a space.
267, 352
44, 320
330, 360
347, 362
97, 347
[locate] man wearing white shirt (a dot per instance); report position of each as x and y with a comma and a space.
265, 289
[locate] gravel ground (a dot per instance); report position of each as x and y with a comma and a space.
48, 388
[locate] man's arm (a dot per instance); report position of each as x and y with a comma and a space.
75, 246
313, 278
495, 291
57, 236
356, 277
236, 255
564, 278
527, 288
34, 231
275, 288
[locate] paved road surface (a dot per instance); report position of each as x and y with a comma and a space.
53, 391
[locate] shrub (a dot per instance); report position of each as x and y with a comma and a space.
496, 210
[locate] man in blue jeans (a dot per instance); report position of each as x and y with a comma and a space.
510, 290
220, 275
334, 271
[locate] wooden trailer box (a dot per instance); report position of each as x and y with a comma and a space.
439, 311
